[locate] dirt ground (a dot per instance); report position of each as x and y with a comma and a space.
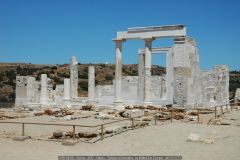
162, 139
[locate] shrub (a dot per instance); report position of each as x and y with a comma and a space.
3, 99
64, 75
31, 71
109, 77
2, 75
83, 75
57, 80
10, 82
12, 95
102, 65
51, 72
10, 74
54, 68
84, 85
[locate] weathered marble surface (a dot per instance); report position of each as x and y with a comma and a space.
74, 77
91, 84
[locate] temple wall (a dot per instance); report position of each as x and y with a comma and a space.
215, 83
129, 89
186, 73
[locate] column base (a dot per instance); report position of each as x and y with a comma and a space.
67, 101
119, 105
147, 102
91, 101
44, 102
118, 102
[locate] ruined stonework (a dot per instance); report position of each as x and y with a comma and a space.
186, 72
215, 84
74, 77
21, 90
58, 94
183, 85
129, 88
27, 90
181, 75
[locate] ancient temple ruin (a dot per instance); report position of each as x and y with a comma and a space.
183, 85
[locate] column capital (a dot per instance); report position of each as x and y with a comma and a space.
148, 39
121, 40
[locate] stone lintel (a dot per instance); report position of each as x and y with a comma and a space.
155, 50
156, 28
118, 40
154, 32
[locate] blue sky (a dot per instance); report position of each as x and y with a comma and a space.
50, 31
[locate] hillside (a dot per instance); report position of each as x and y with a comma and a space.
104, 75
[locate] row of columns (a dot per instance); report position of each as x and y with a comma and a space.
169, 74
91, 86
147, 71
44, 98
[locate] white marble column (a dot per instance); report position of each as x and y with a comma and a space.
141, 71
31, 97
44, 90
66, 91
118, 73
169, 76
74, 77
91, 84
148, 65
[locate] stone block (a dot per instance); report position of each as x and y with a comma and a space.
194, 137
134, 113
69, 142
21, 138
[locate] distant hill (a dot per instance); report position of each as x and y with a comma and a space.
105, 73
234, 82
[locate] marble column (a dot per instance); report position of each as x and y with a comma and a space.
169, 76
74, 77
148, 65
31, 96
44, 90
118, 73
66, 91
141, 69
91, 84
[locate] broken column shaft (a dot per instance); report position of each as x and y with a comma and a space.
74, 77
44, 90
91, 84
66, 92
141, 64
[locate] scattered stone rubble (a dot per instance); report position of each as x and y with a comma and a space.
143, 116
207, 138
145, 113
65, 135
55, 112
21, 138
